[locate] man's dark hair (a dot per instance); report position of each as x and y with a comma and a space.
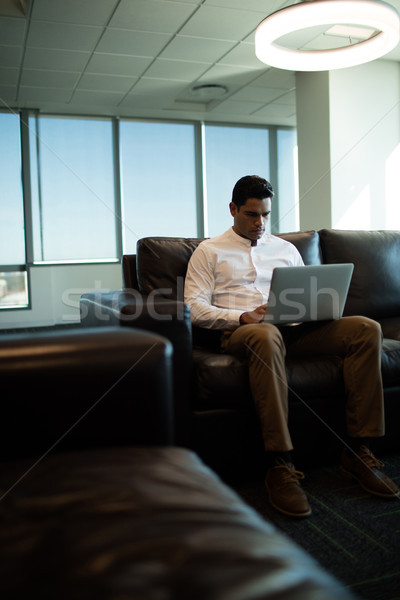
251, 186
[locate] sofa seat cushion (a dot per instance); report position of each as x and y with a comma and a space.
315, 376
222, 380
391, 362
143, 523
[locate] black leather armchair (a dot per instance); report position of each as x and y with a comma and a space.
225, 429
80, 389
96, 504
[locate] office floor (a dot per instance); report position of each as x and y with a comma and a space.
352, 534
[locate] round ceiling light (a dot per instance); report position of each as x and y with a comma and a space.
382, 18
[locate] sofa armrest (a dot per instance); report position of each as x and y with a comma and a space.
168, 318
83, 388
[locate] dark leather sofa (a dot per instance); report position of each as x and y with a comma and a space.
96, 504
224, 428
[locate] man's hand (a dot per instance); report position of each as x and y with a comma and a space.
253, 316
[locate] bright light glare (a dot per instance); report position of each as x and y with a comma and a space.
378, 15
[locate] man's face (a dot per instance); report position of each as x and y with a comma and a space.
249, 220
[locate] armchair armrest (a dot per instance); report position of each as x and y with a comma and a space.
168, 318
81, 388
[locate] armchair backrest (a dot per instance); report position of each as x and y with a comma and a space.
375, 285
161, 262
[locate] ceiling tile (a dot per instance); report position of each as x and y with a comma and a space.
199, 49
148, 86
57, 60
180, 70
32, 95
63, 36
257, 94
52, 79
117, 64
89, 12
243, 55
151, 15
136, 101
276, 78
326, 42
8, 76
237, 108
162, 47
107, 83
10, 56
138, 43
266, 7
228, 74
7, 95
12, 31
86, 98
298, 38
218, 23
289, 98
276, 110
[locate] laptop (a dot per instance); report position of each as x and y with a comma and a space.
308, 293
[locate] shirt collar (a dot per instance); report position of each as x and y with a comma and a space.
245, 242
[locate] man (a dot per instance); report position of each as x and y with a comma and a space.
227, 286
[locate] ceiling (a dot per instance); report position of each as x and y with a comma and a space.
142, 58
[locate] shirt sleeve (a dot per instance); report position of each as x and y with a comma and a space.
199, 287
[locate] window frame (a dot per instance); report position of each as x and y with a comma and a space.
199, 174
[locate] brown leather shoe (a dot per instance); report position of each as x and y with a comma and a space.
366, 469
285, 492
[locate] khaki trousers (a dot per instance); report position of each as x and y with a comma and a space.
357, 339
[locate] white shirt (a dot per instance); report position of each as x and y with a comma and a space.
227, 276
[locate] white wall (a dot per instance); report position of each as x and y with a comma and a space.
365, 142
55, 293
349, 147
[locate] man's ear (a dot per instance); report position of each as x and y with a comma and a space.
233, 208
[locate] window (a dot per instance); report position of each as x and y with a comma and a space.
158, 181
73, 199
13, 274
231, 153
13, 288
12, 240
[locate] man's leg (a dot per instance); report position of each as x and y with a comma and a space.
263, 346
359, 341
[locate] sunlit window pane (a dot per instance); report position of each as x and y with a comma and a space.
231, 153
158, 181
13, 289
12, 238
74, 204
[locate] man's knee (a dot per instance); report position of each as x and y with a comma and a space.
364, 326
265, 336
